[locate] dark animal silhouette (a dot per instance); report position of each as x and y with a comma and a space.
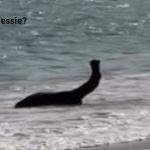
73, 97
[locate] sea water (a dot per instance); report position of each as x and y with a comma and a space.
51, 52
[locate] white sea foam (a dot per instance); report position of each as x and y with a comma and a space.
90, 130
126, 5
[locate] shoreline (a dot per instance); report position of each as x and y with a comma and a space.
135, 145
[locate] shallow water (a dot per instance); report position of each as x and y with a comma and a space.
51, 53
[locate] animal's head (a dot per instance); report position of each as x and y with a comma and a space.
94, 63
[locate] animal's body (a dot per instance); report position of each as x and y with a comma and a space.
73, 97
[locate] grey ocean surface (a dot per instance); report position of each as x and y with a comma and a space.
51, 53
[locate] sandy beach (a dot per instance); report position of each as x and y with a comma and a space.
136, 145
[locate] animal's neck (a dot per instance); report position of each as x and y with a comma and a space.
90, 85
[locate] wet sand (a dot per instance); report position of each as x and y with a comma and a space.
136, 145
